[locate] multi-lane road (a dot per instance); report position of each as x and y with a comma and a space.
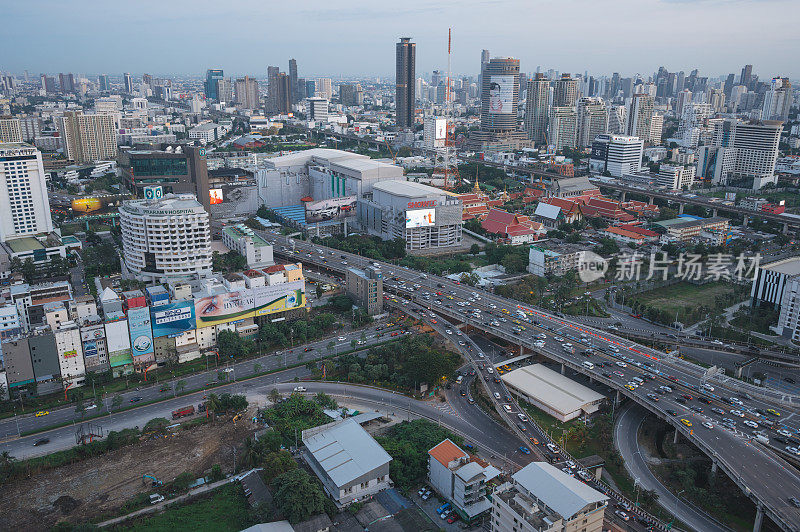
759, 470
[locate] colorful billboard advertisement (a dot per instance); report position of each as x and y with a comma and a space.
330, 209
420, 218
94, 205
118, 343
172, 319
501, 95
215, 195
248, 303
141, 333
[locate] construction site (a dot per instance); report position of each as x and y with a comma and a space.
88, 490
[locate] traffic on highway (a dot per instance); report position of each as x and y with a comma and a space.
641, 373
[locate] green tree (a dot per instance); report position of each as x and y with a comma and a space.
180, 386
297, 496
277, 463
116, 402
274, 395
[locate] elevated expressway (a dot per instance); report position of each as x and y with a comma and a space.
760, 471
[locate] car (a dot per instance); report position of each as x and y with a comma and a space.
522, 417
41, 441
707, 424
719, 411
738, 413
507, 408
621, 364
524, 450
794, 502
792, 449
784, 432
91, 406
497, 396
619, 374
622, 515
41, 413
751, 424
686, 422
453, 518
652, 397
422, 491
697, 409
137, 399
773, 412
628, 386
672, 412
299, 389
426, 495
680, 400
534, 441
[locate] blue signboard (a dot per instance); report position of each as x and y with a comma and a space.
141, 334
173, 319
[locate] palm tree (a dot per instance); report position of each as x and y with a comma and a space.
251, 454
180, 385
213, 403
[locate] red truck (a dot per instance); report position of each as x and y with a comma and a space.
183, 412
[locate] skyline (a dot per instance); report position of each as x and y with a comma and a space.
171, 35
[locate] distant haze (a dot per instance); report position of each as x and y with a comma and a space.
357, 37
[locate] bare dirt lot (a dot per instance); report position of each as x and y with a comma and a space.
99, 486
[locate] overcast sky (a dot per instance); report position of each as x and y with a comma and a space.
357, 37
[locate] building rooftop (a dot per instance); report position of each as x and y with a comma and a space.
26, 243
346, 452
552, 388
241, 231
562, 493
408, 189
168, 205
447, 452
789, 266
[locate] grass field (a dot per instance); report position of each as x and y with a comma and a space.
225, 509
690, 302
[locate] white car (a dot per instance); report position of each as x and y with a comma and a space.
299, 389
490, 369
621, 364
738, 413
708, 387
497, 396
448, 331
708, 424
751, 424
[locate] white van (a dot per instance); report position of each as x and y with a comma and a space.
588, 365
459, 379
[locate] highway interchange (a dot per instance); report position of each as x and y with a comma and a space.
759, 471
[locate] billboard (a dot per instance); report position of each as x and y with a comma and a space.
420, 218
248, 303
330, 209
118, 343
215, 195
501, 95
94, 205
140, 332
172, 319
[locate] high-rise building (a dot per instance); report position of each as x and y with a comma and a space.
565, 91
640, 115
272, 88
165, 239
247, 93
293, 81
616, 154
755, 151
311, 88
676, 177
729, 82
592, 117
48, 83
176, 169
405, 77
127, 81
317, 109
88, 138
656, 128
747, 76
500, 95
10, 130
210, 86
283, 96
563, 124
225, 90
617, 115
103, 83
66, 82
537, 106
684, 98
325, 88
777, 100
24, 206
351, 94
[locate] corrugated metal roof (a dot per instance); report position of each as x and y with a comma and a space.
551, 388
346, 452
559, 491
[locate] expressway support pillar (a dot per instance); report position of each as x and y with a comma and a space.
680, 208
745, 221
676, 437
562, 369
624, 195
759, 518
713, 476
651, 199
617, 398
785, 229
714, 211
